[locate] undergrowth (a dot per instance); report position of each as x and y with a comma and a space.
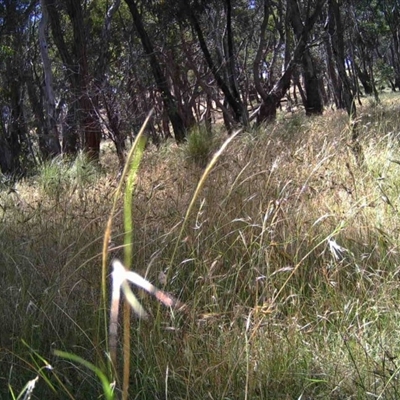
287, 264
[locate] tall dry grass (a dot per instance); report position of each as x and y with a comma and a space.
288, 264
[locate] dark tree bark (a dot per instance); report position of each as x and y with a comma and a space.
260, 52
361, 50
391, 10
271, 102
333, 80
102, 93
364, 78
78, 75
11, 150
297, 84
335, 29
313, 103
70, 134
239, 113
36, 101
70, 142
18, 141
231, 64
51, 143
185, 93
8, 162
104, 56
168, 99
89, 120
15, 145
211, 95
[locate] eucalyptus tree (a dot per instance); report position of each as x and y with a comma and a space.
272, 98
313, 100
367, 44
217, 44
52, 144
335, 29
391, 11
162, 84
90, 68
15, 142
73, 51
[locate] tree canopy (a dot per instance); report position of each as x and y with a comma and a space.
73, 72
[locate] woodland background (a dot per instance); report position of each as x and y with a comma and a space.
73, 72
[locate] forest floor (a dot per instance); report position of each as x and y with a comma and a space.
288, 264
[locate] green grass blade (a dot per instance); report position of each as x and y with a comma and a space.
129, 166
107, 387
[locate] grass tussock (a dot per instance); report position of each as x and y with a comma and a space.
199, 146
288, 263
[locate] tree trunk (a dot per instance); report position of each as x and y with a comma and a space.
268, 106
103, 60
231, 64
168, 99
117, 135
392, 17
240, 115
79, 78
314, 101
52, 146
70, 135
16, 152
335, 29
8, 163
70, 139
260, 51
36, 102
17, 131
333, 80
297, 83
313, 104
185, 93
364, 78
201, 77
89, 120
